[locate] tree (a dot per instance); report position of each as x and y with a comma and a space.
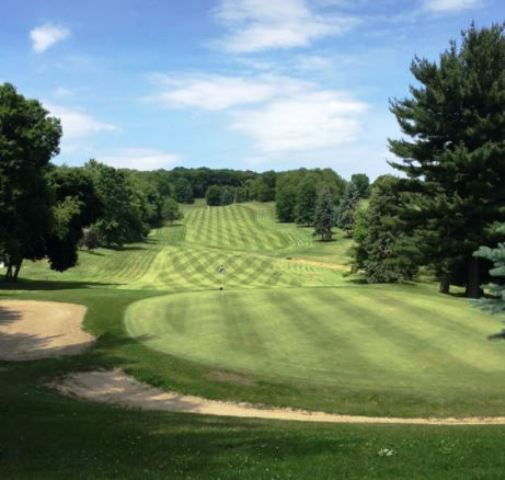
29, 138
324, 217
347, 208
285, 202
495, 302
121, 218
183, 191
171, 210
306, 201
382, 249
362, 183
454, 157
213, 196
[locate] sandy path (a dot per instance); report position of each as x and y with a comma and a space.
31, 330
114, 386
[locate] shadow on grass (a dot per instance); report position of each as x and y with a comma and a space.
25, 284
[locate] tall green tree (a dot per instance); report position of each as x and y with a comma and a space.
324, 217
121, 219
347, 208
285, 202
29, 138
306, 198
382, 250
362, 183
453, 159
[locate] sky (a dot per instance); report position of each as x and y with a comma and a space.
244, 84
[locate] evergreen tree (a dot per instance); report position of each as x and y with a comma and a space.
347, 208
383, 250
454, 158
306, 198
324, 217
495, 302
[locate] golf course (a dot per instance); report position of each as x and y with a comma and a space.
283, 327
252, 240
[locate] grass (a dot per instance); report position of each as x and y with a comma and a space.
285, 331
413, 352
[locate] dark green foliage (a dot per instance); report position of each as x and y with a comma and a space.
454, 158
288, 193
362, 183
29, 138
285, 203
218, 195
383, 251
306, 198
171, 211
347, 208
121, 219
262, 188
183, 191
324, 217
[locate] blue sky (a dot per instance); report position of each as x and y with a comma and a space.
259, 84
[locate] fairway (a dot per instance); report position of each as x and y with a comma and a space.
349, 337
290, 328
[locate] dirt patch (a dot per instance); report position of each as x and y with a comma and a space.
114, 386
226, 377
30, 330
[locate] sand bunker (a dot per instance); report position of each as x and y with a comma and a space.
31, 330
114, 386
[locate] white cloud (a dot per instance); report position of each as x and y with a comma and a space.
62, 92
313, 120
139, 159
219, 92
256, 25
441, 6
47, 35
77, 124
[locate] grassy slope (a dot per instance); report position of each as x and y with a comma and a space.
44, 435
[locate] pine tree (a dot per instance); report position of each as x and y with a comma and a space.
495, 302
454, 159
382, 249
347, 208
324, 217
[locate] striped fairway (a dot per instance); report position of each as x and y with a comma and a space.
353, 337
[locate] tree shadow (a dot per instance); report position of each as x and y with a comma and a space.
27, 284
8, 315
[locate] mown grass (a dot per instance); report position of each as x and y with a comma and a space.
380, 331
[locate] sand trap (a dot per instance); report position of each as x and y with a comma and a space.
114, 386
31, 330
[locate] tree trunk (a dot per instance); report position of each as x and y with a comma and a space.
8, 273
473, 289
16, 270
445, 284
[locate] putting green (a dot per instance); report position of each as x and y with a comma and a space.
391, 338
